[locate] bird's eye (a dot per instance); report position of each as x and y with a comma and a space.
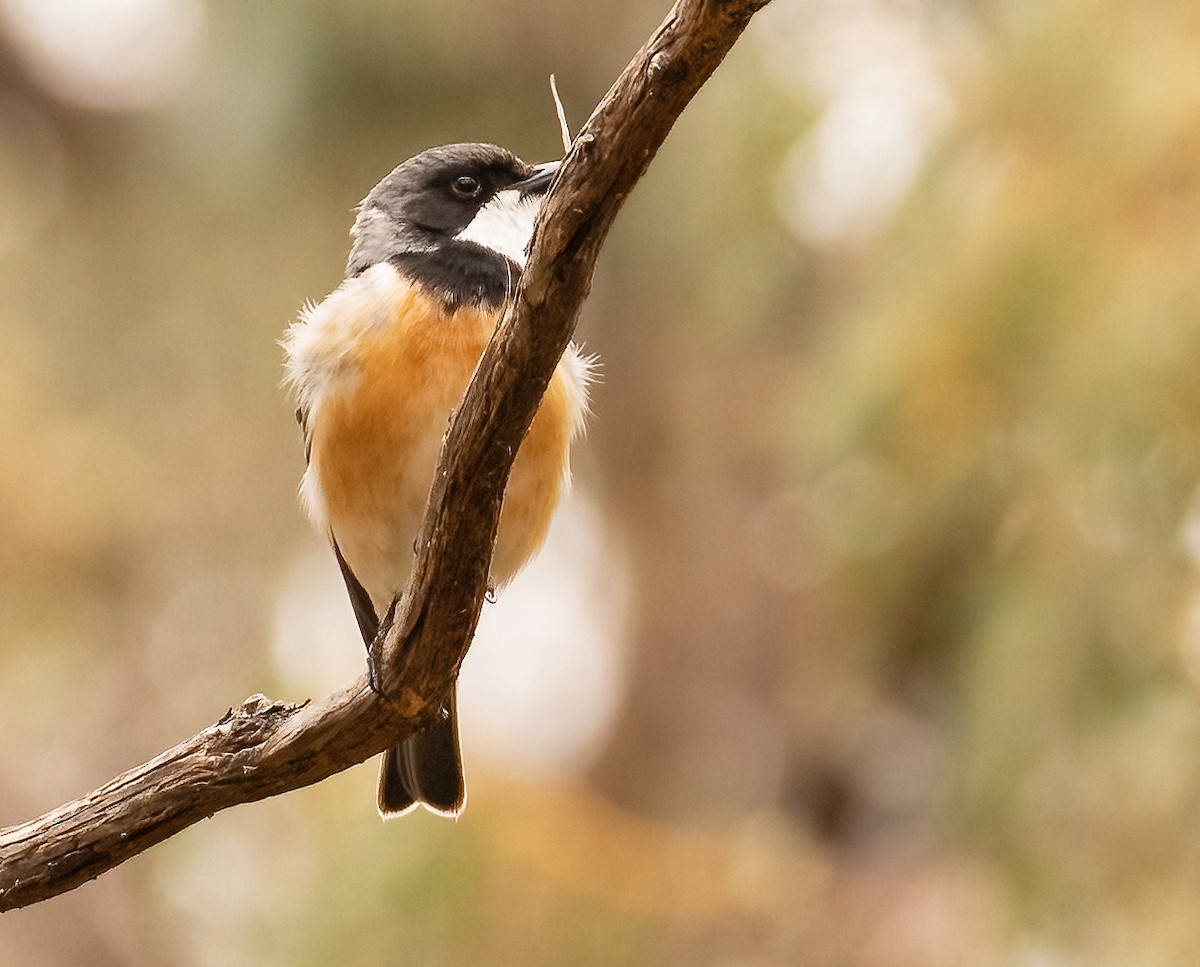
465, 186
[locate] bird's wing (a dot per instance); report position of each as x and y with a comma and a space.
364, 610
302, 419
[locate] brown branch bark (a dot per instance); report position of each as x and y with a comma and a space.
263, 748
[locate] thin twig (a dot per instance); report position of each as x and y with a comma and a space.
562, 115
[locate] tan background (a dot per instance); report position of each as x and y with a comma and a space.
871, 633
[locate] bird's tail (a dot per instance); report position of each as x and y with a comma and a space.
425, 769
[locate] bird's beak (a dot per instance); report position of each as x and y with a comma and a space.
538, 182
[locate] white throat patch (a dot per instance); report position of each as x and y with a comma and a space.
504, 224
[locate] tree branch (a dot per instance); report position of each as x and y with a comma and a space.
263, 748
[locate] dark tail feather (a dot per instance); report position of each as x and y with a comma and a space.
425, 769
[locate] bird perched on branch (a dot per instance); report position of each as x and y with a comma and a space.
379, 365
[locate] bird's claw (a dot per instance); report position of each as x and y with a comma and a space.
374, 656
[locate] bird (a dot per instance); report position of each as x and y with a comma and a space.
377, 368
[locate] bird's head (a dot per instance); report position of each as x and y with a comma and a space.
458, 197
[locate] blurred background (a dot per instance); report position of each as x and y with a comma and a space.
870, 635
